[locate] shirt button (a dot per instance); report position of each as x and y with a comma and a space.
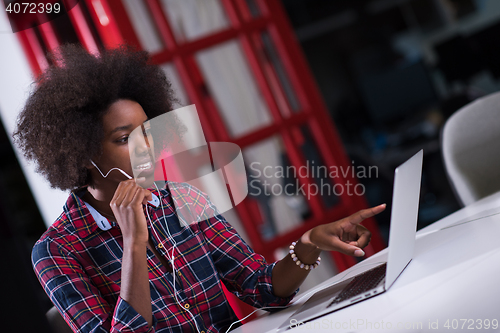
186, 306
160, 246
179, 273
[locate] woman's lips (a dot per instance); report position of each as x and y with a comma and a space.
144, 166
144, 169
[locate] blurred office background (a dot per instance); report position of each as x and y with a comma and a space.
345, 83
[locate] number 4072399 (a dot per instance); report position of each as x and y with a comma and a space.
33, 8
471, 324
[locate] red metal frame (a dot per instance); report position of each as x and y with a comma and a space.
33, 50
114, 27
82, 29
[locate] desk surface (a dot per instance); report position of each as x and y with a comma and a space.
451, 285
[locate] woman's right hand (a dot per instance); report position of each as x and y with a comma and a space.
127, 207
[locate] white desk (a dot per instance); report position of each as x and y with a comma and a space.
454, 275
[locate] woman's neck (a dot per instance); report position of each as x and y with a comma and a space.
100, 200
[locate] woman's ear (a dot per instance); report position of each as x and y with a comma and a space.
90, 165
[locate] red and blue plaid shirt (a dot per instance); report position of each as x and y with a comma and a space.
79, 266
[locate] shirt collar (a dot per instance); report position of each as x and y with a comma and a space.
103, 223
86, 218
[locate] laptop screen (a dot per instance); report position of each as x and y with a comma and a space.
404, 215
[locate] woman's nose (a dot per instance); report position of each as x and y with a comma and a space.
142, 147
140, 144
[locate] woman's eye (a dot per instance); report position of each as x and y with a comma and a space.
122, 139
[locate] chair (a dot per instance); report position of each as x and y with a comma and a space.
471, 149
56, 321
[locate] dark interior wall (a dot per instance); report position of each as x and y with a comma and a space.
381, 87
24, 302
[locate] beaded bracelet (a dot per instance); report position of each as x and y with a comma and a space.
301, 264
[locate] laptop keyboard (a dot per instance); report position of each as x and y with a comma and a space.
361, 283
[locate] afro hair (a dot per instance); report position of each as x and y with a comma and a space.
60, 126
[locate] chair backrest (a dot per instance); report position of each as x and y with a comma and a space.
471, 149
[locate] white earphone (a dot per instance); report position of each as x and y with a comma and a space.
105, 176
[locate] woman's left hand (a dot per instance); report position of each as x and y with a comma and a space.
346, 236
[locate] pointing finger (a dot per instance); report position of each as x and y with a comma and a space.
358, 217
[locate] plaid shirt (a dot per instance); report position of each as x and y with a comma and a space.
79, 266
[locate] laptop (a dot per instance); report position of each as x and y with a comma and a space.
379, 279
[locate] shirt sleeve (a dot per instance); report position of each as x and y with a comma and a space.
76, 297
244, 272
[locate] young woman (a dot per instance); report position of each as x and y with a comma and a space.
117, 259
